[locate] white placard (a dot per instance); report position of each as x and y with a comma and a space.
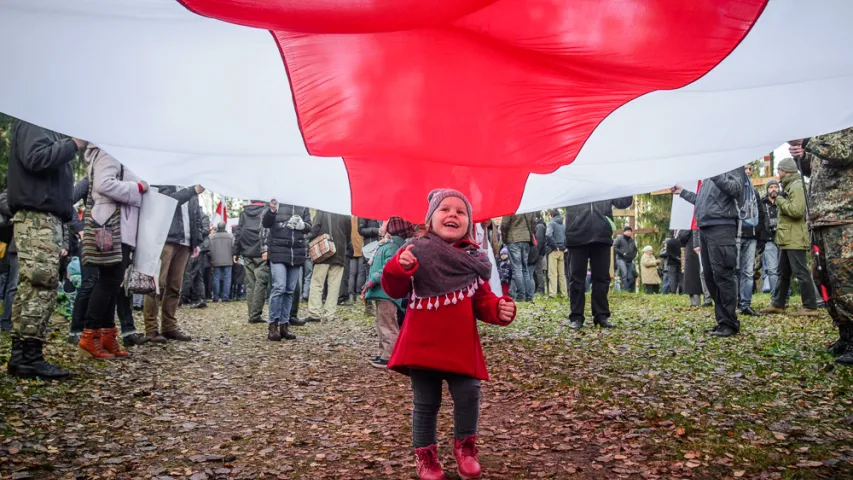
155, 218
681, 216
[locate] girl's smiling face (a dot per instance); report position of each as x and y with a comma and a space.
450, 220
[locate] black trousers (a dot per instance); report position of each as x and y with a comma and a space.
674, 274
719, 262
100, 312
192, 290
123, 306
597, 256
793, 263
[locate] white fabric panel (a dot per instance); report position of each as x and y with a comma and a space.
302, 180
790, 78
207, 87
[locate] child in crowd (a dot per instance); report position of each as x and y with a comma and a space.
394, 233
445, 275
505, 271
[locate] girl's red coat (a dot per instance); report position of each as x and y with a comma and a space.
444, 339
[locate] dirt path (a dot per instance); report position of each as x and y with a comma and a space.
233, 405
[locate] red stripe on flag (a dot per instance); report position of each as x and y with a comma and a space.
508, 84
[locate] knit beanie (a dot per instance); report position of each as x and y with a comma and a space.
788, 165
438, 195
773, 182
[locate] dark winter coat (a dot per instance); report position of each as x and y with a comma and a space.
339, 227
555, 234
176, 231
588, 223
715, 202
692, 280
625, 248
673, 252
771, 219
369, 230
537, 251
247, 241
221, 244
285, 245
40, 177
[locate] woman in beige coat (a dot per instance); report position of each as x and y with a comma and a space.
649, 270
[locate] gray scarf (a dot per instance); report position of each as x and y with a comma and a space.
447, 273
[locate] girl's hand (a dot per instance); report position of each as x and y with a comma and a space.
408, 259
506, 309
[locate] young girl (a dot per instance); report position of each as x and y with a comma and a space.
445, 276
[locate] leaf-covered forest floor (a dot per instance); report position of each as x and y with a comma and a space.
654, 398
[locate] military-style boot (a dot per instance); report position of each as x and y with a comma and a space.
33, 364
284, 332
15, 356
840, 346
273, 334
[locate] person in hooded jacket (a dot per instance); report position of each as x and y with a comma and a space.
589, 238
247, 244
286, 248
625, 250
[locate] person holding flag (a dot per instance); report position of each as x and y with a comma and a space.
828, 161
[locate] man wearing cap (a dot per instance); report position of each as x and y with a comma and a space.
792, 238
626, 251
828, 161
770, 253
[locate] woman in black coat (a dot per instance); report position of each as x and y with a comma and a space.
692, 278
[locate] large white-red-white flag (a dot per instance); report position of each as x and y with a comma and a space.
363, 107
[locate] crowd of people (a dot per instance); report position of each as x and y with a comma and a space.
411, 277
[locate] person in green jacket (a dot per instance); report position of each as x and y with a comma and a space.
792, 238
386, 309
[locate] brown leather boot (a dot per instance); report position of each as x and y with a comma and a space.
109, 340
273, 335
90, 345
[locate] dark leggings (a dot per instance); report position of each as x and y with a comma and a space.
100, 312
426, 386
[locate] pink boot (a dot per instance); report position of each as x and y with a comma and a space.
465, 452
428, 466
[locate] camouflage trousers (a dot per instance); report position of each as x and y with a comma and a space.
836, 258
39, 240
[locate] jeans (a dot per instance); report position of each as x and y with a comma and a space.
719, 261
794, 263
746, 270
597, 255
626, 274
10, 291
521, 287
770, 259
307, 272
426, 387
284, 278
222, 283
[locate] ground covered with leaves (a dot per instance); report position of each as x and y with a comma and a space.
654, 398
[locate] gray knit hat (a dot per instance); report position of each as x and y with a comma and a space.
788, 165
438, 195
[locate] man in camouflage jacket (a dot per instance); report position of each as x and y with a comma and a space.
828, 161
